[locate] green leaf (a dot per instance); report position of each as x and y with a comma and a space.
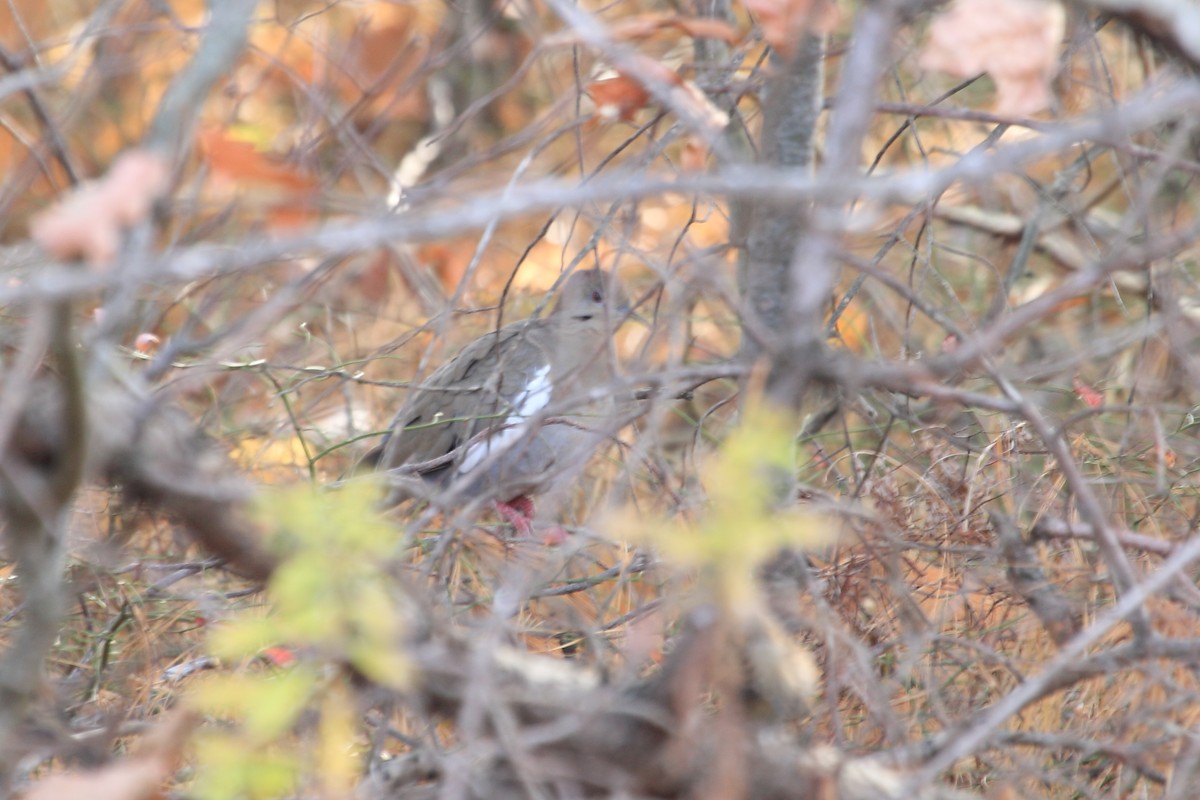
267, 704
331, 601
229, 769
750, 515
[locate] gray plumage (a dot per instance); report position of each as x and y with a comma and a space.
494, 418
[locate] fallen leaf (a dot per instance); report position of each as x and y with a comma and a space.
1015, 41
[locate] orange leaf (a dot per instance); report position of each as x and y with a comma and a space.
297, 212
621, 96
241, 161
618, 98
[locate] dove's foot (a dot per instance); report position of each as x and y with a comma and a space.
518, 512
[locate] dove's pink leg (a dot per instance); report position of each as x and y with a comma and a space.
519, 513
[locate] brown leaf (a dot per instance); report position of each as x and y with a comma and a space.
1014, 41
242, 161
618, 98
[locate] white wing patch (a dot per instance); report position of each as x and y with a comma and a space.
528, 403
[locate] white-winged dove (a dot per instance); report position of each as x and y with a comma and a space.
516, 411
